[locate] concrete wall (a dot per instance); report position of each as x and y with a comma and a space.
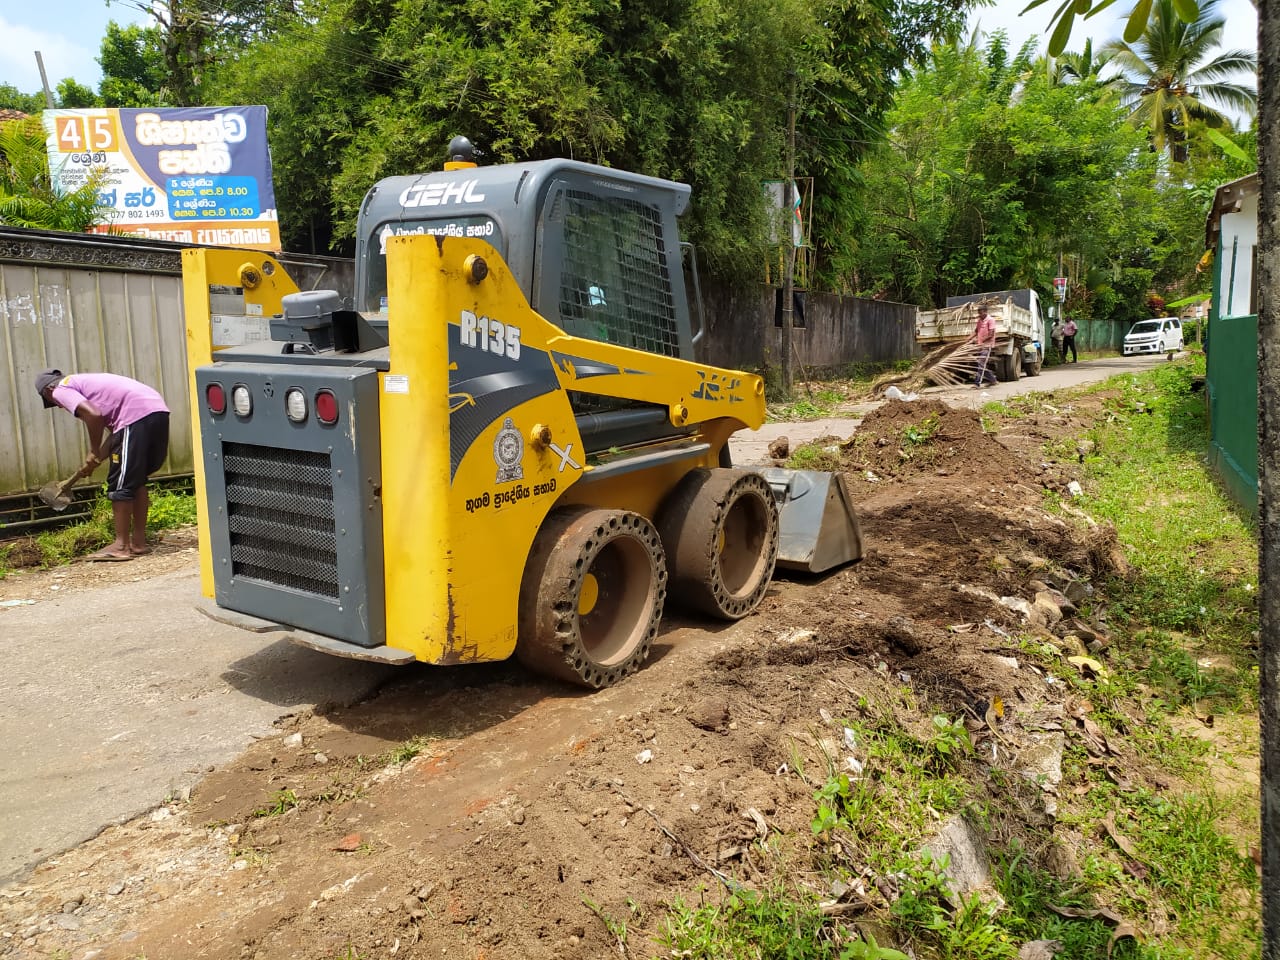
838, 330
85, 303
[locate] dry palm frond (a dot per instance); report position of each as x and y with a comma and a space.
947, 365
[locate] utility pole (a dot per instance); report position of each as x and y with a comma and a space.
44, 81
1268, 281
788, 281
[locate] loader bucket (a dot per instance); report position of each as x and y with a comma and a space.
818, 529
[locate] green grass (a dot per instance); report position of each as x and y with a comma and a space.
399, 756
813, 405
772, 924
919, 434
818, 397
1181, 642
814, 456
281, 802
170, 508
917, 782
1195, 557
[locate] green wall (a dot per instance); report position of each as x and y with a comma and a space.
1231, 380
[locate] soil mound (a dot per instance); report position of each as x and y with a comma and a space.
906, 437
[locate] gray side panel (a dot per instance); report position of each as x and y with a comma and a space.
295, 509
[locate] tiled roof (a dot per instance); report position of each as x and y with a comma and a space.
7, 114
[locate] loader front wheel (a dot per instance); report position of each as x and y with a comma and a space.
720, 532
592, 596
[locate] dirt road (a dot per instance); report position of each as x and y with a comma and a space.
118, 695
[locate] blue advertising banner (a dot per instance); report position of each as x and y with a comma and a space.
198, 175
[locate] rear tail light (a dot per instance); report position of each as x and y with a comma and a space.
216, 398
326, 407
241, 400
295, 404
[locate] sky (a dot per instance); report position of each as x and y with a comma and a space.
68, 33
1241, 31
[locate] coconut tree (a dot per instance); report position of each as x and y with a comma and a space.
1169, 80
1082, 67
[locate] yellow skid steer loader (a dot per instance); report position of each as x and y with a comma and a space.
503, 445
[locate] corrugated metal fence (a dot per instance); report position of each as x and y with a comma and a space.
86, 304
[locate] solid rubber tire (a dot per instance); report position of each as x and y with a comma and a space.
623, 551
720, 532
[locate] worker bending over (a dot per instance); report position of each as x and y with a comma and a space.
127, 421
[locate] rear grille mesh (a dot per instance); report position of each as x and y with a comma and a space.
280, 517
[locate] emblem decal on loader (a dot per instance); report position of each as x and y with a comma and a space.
508, 451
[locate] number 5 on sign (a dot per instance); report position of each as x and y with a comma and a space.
77, 134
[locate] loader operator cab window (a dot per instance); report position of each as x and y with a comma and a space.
614, 270
373, 298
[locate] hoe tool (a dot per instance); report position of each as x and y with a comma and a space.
57, 494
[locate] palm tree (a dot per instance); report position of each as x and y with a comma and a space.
1083, 67
1170, 82
28, 197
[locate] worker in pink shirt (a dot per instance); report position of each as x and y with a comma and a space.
127, 421
985, 335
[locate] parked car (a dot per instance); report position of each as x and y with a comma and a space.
1157, 335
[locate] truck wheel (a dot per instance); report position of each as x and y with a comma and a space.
1034, 369
720, 532
1011, 366
592, 596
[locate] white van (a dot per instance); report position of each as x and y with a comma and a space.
1157, 335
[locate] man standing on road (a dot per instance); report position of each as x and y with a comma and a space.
128, 421
1069, 341
1056, 335
985, 336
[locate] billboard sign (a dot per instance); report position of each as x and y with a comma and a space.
199, 175
1060, 288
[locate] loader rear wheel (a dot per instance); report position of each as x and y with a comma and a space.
720, 531
592, 596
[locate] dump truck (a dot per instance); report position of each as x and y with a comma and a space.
502, 444
1020, 330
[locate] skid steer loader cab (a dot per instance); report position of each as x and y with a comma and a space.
503, 446
594, 250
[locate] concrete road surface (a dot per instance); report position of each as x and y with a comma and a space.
112, 698
751, 446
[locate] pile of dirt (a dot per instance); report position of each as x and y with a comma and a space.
546, 823
914, 437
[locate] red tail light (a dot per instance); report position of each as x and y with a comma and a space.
216, 398
326, 407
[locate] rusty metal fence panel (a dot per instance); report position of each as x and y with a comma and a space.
85, 303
